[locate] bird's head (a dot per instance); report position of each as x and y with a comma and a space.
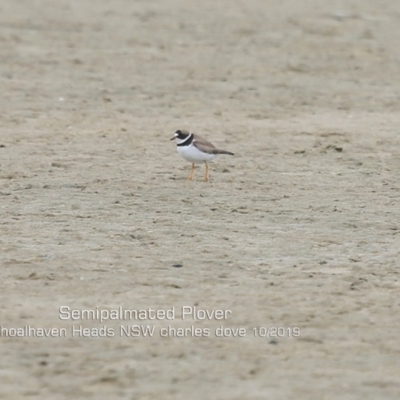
180, 135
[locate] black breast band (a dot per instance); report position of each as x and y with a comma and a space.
187, 142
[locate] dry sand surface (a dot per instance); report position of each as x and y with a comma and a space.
300, 229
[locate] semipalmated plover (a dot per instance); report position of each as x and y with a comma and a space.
196, 149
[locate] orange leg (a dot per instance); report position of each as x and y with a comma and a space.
206, 176
191, 173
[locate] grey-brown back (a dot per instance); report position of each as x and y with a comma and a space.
207, 147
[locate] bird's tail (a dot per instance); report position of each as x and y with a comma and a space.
223, 152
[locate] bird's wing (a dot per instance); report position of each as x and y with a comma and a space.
204, 145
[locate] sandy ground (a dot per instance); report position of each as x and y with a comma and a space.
299, 232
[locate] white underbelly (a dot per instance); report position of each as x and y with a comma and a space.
194, 155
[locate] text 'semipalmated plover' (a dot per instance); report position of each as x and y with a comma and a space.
196, 149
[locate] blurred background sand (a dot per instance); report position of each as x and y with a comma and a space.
299, 229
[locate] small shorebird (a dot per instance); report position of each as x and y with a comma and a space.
196, 150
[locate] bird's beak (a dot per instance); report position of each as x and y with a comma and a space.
172, 138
